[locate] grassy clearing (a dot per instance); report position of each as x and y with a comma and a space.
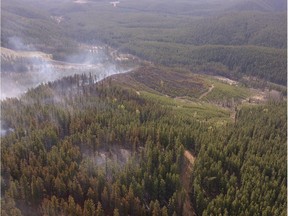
185, 108
224, 91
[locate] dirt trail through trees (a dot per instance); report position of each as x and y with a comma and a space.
186, 180
206, 93
189, 157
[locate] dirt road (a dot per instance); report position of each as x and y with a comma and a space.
206, 93
189, 157
187, 208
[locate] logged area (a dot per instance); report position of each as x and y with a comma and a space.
149, 107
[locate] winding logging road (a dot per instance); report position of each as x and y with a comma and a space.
206, 93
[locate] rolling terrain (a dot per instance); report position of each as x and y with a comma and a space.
143, 107
193, 40
87, 127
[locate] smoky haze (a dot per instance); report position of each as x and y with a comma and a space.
33, 68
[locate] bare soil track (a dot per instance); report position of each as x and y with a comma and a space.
187, 207
206, 93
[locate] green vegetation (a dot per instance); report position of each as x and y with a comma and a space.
116, 147
181, 91
26, 27
186, 33
49, 161
242, 43
225, 60
245, 28
52, 164
171, 82
185, 108
242, 170
225, 93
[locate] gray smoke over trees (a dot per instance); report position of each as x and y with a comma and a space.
24, 67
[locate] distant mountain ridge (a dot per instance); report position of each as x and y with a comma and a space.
241, 28
182, 33
260, 5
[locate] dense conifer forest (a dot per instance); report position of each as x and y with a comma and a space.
197, 124
242, 171
52, 164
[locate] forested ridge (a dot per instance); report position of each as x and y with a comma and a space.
51, 162
226, 60
208, 81
243, 38
48, 162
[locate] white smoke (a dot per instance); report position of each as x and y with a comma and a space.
41, 68
4, 130
17, 43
